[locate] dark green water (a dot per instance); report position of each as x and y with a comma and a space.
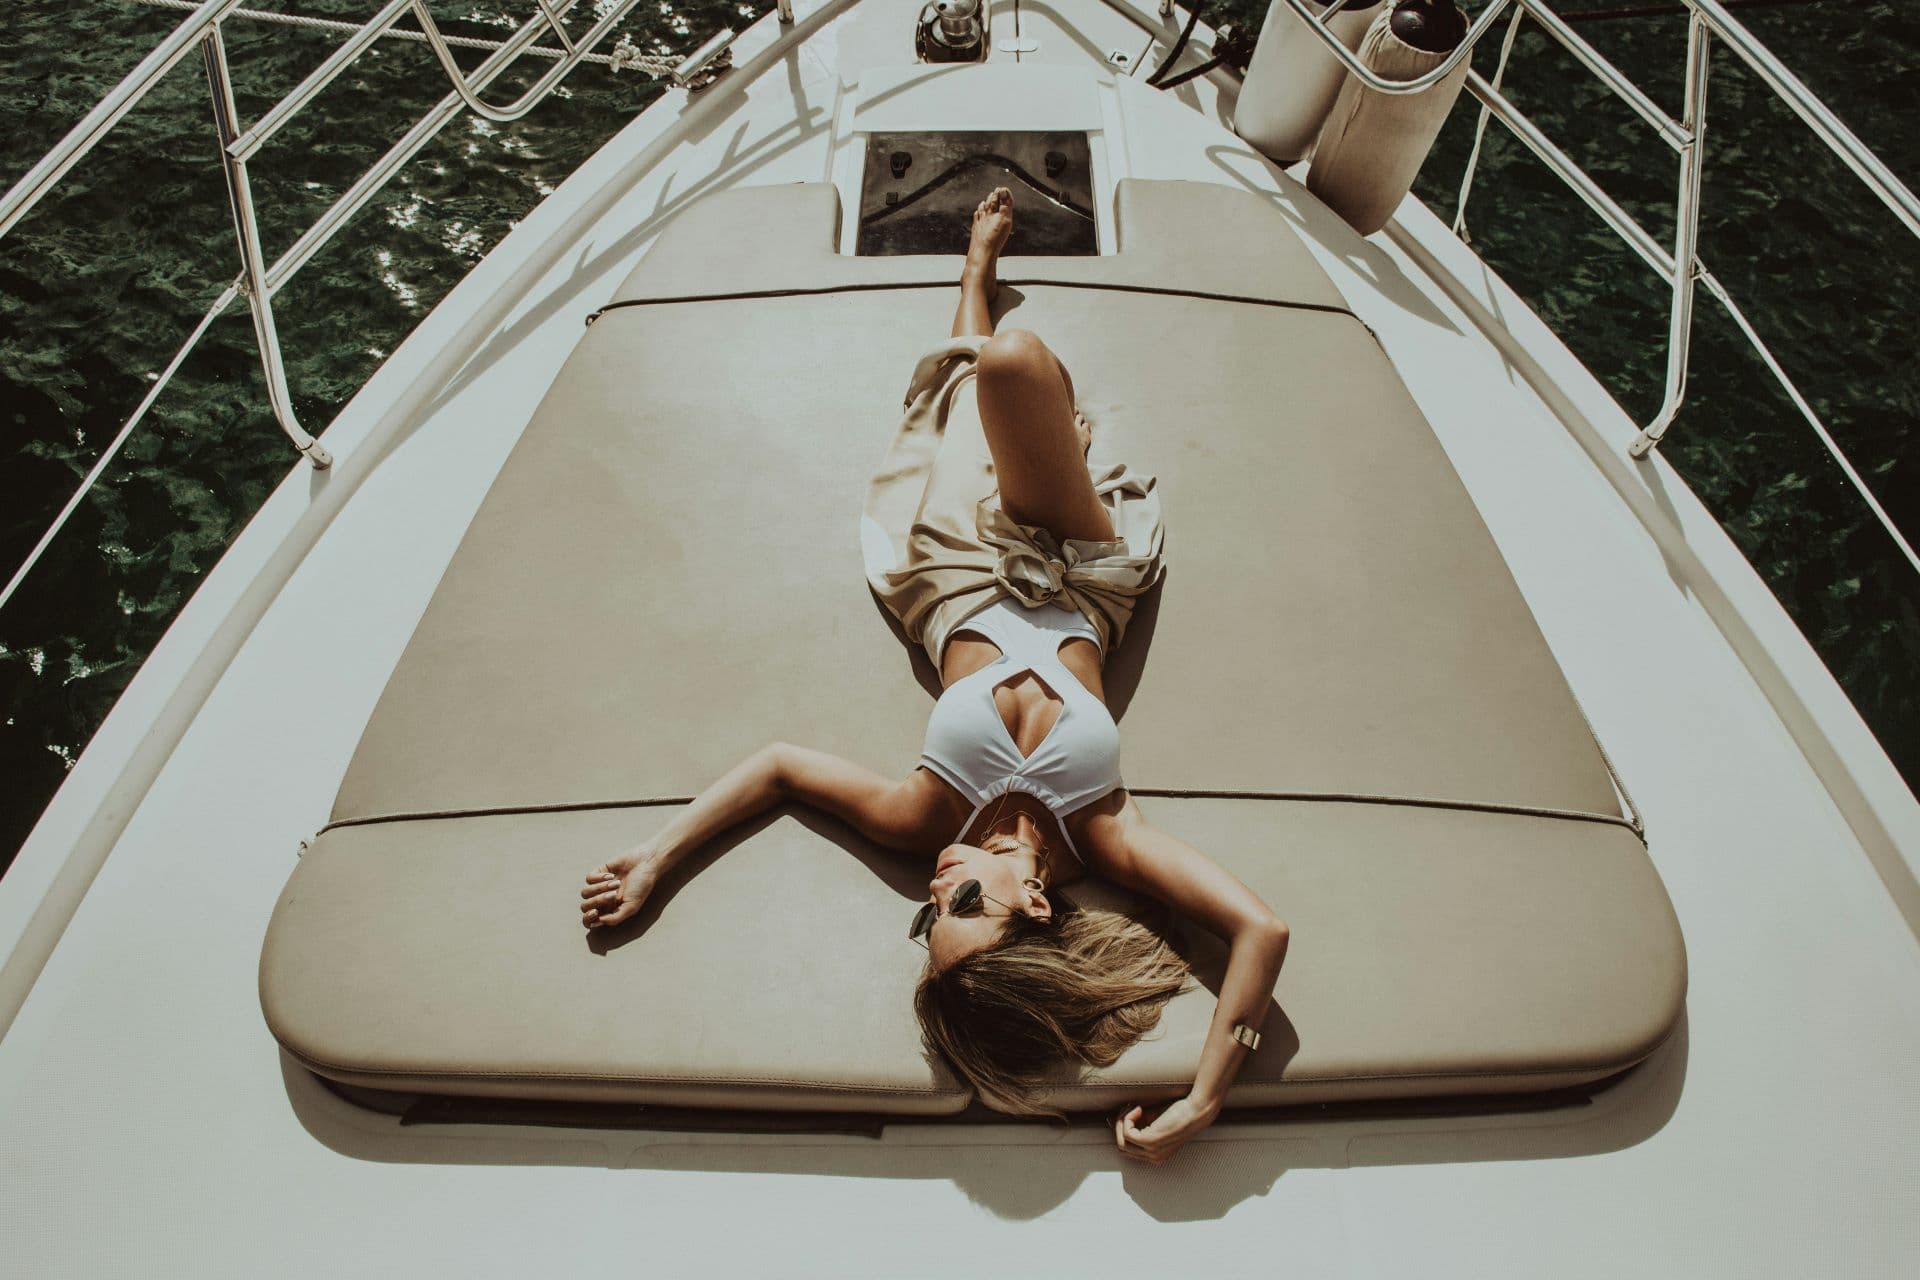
102, 282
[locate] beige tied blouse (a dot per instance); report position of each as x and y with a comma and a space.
938, 548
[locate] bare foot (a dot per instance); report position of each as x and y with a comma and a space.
1083, 430
992, 224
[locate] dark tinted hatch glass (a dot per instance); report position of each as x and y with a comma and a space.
920, 190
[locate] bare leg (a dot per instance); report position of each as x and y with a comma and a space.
979, 278
980, 288
1032, 428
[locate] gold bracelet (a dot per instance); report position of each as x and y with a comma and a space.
1246, 1035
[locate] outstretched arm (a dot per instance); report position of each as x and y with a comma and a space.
1133, 853
898, 815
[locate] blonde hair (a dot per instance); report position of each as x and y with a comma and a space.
1083, 988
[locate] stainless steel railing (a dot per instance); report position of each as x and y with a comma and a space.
1681, 266
258, 280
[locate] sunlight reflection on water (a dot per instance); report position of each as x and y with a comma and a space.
98, 287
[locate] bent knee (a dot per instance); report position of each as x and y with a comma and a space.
1015, 351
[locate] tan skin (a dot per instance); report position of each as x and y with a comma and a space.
1017, 848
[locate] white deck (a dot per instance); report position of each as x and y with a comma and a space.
151, 1125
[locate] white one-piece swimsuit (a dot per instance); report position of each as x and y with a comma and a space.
968, 743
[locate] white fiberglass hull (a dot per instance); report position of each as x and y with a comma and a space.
152, 1124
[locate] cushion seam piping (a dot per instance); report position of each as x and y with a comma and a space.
1178, 793
324, 1064
877, 286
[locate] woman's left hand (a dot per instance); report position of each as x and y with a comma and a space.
1156, 1139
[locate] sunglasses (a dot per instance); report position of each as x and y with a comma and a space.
966, 901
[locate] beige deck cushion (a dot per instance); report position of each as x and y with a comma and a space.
444, 956
1434, 952
666, 576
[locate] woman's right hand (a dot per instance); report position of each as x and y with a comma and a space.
617, 889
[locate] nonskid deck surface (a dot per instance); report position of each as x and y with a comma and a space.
148, 1114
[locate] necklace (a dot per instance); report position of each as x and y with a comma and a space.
1042, 855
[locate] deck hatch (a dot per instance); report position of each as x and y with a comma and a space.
918, 191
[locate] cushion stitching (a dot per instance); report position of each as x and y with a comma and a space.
324, 1064
1176, 793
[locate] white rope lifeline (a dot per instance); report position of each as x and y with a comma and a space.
113, 448
1813, 419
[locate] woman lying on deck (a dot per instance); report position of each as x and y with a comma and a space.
1018, 579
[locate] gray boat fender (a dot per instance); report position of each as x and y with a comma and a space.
1293, 78
1372, 144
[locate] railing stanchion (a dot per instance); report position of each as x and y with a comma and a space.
1686, 235
256, 281
253, 265
549, 14
559, 28
108, 112
1682, 269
